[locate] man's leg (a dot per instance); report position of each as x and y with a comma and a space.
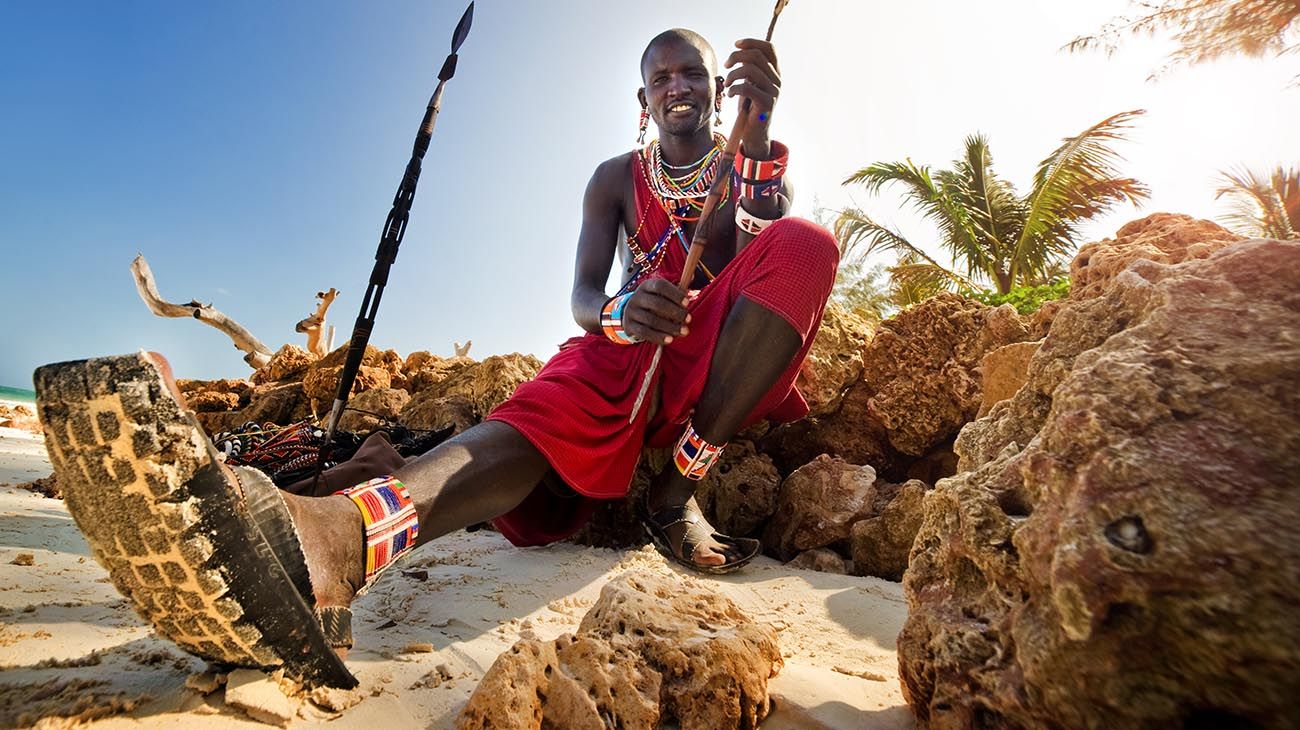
479, 474
755, 347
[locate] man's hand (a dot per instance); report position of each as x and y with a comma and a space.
656, 312
756, 77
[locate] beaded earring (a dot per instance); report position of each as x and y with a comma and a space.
717, 111
645, 121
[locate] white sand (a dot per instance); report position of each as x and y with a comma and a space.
467, 597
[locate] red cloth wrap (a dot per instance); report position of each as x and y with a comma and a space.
576, 410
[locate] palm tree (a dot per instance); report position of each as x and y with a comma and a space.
1204, 30
1262, 206
992, 233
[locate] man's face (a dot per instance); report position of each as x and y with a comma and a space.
679, 87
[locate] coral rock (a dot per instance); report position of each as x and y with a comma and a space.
434, 372
20, 417
418, 360
1167, 238
371, 409
1120, 549
208, 396
880, 543
739, 492
321, 383
288, 363
919, 387
835, 360
276, 403
652, 649
817, 505
822, 560
1003, 371
430, 412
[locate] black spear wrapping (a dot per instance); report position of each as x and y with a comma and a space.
394, 229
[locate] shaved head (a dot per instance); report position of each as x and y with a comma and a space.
680, 36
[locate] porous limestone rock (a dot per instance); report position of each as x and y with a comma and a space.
1167, 238
653, 648
1003, 371
919, 387
418, 360
371, 409
20, 417
822, 560
1120, 549
430, 412
321, 383
834, 361
432, 372
290, 362
280, 403
817, 504
880, 542
739, 492
209, 396
920, 368
487, 383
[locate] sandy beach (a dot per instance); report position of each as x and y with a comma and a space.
71, 647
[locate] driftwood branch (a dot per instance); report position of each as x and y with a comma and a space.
315, 323
462, 350
255, 353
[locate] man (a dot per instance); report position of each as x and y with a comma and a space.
235, 571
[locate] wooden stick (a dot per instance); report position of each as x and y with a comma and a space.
316, 322
256, 354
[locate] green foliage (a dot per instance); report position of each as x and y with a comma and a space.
1262, 205
865, 294
1026, 299
994, 234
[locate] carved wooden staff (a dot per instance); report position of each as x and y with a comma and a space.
394, 229
700, 240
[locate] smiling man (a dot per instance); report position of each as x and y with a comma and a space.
234, 570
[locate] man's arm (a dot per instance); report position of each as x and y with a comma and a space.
657, 310
601, 217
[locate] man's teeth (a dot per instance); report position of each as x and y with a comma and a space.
679, 108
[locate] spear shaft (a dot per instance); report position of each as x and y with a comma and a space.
389, 241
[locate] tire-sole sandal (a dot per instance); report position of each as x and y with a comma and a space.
212, 563
697, 531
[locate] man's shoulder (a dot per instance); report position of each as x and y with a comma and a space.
616, 167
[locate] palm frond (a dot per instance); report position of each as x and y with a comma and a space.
913, 281
1262, 206
1076, 182
928, 196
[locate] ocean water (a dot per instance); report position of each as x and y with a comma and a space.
17, 394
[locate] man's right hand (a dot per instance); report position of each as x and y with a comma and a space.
657, 312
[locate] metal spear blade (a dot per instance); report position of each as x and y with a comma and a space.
462, 28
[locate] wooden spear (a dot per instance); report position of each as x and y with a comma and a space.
700, 240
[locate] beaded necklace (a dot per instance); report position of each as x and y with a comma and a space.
683, 194
647, 262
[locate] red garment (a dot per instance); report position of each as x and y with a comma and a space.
576, 410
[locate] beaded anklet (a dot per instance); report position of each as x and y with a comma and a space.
611, 320
694, 456
391, 523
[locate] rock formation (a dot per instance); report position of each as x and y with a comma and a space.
920, 385
652, 649
1120, 548
835, 360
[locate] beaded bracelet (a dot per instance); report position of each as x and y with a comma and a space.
751, 169
694, 456
611, 320
750, 223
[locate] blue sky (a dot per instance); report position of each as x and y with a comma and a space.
251, 150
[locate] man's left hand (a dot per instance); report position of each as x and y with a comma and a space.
756, 77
